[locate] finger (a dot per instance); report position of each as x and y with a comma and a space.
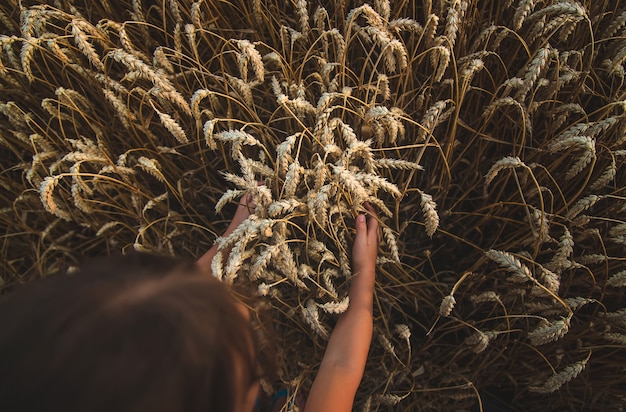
372, 224
245, 199
361, 226
370, 209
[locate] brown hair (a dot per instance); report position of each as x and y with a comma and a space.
127, 333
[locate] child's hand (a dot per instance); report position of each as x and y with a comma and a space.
245, 208
344, 361
365, 248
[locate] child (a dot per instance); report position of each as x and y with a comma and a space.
153, 333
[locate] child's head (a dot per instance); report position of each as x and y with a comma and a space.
131, 333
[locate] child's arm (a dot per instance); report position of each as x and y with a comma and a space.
246, 206
344, 361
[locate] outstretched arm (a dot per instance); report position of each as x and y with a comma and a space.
344, 361
245, 208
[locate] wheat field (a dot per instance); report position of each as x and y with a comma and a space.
489, 135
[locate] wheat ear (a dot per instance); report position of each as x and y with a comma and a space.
46, 191
310, 314
582, 205
508, 162
429, 208
555, 382
447, 304
521, 12
549, 333
511, 263
79, 30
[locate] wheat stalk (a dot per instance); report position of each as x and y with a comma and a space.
620, 240
607, 176
125, 115
429, 208
228, 196
431, 119
160, 60
327, 277
16, 116
583, 161
582, 205
563, 7
440, 59
46, 192
217, 267
52, 107
556, 381
236, 138
29, 46
292, 179
616, 25
36, 164
196, 99
8, 23
512, 264
32, 20
303, 17
141, 68
79, 201
151, 166
566, 141
173, 96
311, 317
390, 240
347, 178
154, 201
80, 28
549, 333
7, 47
566, 248
262, 261
72, 98
383, 8
172, 126
521, 12
617, 318
390, 399
452, 21
283, 152
190, 32
250, 53
618, 338
430, 28
336, 307
104, 228
619, 229
473, 67
397, 164
377, 182
479, 340
488, 296
508, 162
137, 11
175, 10
577, 302
537, 65
565, 24
318, 204
447, 304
